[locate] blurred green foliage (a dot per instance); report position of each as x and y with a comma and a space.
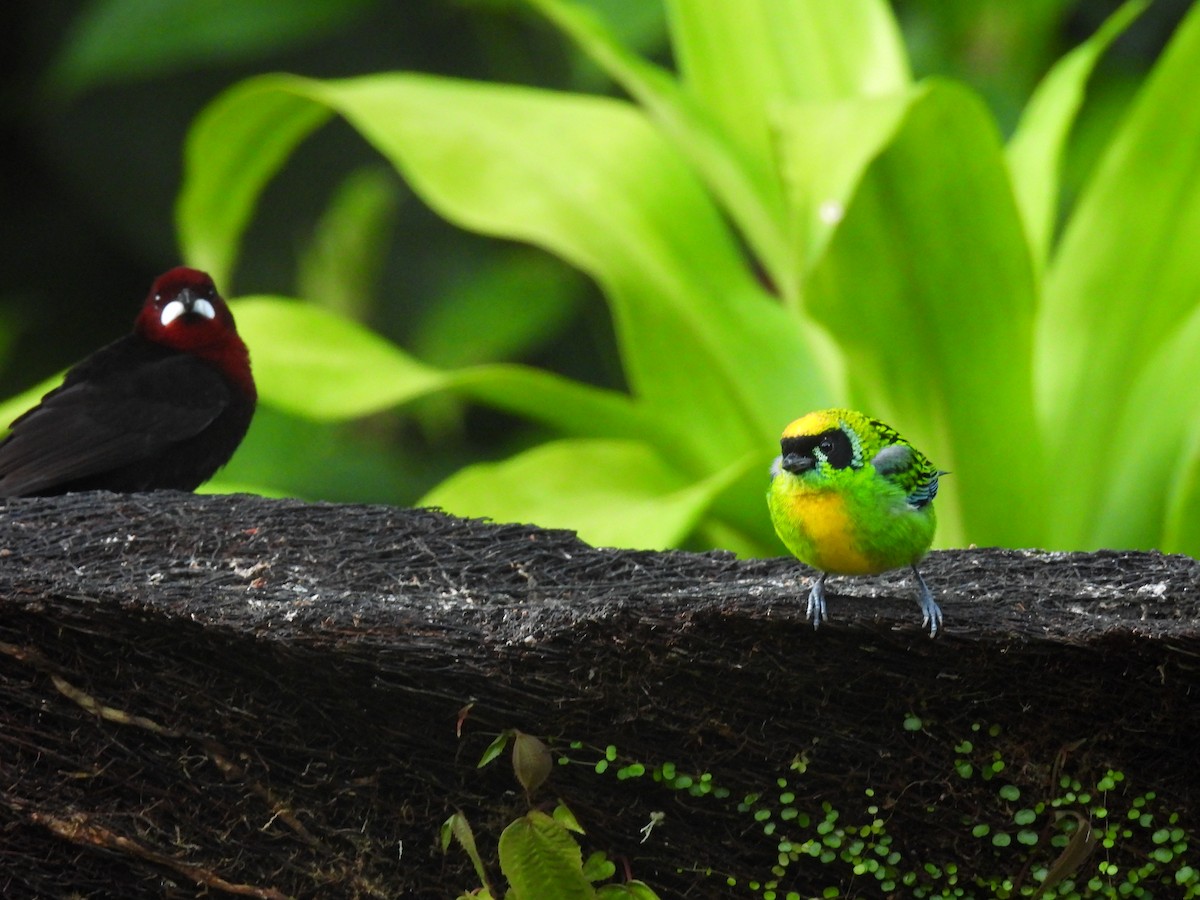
785, 219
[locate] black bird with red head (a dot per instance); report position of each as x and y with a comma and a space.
160, 409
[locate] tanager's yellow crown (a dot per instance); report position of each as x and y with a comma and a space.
817, 422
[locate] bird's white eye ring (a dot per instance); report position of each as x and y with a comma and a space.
171, 312
203, 308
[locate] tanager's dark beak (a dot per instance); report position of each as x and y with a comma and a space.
797, 464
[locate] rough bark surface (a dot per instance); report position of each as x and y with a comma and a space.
268, 698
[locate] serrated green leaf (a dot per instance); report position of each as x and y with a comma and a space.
459, 828
540, 859
531, 761
563, 816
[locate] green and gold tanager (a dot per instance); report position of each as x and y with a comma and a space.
850, 496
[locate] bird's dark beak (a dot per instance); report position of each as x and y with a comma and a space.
797, 464
194, 303
188, 298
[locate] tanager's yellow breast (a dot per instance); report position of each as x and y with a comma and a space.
830, 533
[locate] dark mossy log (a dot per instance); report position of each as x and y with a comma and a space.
207, 695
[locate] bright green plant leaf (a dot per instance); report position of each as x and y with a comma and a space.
613, 493
500, 311
927, 288
746, 185
295, 456
1124, 276
540, 859
341, 266
824, 149
314, 363
1147, 482
1181, 530
1036, 149
311, 362
495, 748
234, 147
590, 180
585, 177
458, 828
598, 867
563, 816
742, 59
122, 40
572, 408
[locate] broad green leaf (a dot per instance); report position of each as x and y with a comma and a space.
1155, 435
590, 180
612, 493
1036, 148
824, 148
114, 41
573, 408
341, 266
1148, 482
313, 363
512, 306
746, 185
235, 145
742, 59
287, 455
1181, 530
1123, 279
587, 178
928, 289
541, 860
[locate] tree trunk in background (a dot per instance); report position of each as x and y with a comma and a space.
269, 698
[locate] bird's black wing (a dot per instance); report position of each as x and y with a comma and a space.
100, 420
